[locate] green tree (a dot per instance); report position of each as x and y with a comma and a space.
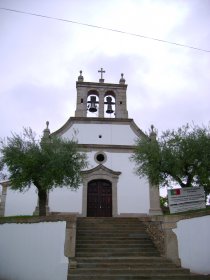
47, 163
179, 156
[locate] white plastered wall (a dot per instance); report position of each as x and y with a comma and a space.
111, 134
132, 193
66, 200
20, 203
193, 244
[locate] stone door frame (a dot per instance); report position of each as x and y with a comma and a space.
100, 172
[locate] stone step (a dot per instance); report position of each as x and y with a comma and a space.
112, 227
117, 230
117, 227
120, 249
137, 234
111, 219
91, 246
132, 277
139, 271
111, 237
98, 235
114, 224
116, 254
113, 240
139, 260
125, 263
111, 224
131, 241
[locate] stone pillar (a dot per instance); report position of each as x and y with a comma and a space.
3, 198
121, 103
70, 242
154, 189
155, 208
170, 239
81, 109
101, 104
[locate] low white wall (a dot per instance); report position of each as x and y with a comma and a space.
33, 251
193, 244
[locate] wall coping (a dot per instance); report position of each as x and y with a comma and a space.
178, 217
37, 219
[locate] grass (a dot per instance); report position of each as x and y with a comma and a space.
9, 218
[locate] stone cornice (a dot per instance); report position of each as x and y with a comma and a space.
101, 168
107, 148
100, 85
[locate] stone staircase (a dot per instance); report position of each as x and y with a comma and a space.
120, 249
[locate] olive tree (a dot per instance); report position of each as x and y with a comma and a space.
179, 156
47, 163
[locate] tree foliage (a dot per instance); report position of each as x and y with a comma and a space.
47, 163
179, 156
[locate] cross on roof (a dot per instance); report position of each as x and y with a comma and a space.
101, 71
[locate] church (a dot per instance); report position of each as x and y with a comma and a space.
110, 187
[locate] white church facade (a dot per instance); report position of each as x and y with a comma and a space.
110, 187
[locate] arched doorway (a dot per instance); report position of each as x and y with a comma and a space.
99, 198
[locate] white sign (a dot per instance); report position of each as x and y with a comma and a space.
185, 199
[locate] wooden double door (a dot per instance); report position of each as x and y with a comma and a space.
99, 198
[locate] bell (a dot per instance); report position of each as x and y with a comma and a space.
93, 107
109, 109
109, 105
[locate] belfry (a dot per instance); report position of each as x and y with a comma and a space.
93, 97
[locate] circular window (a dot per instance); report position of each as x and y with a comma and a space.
100, 157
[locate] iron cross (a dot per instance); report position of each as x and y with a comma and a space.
101, 71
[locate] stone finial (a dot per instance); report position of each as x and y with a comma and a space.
153, 133
122, 80
46, 131
80, 77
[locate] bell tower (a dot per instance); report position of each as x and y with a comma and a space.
101, 100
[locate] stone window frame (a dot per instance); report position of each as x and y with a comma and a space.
100, 153
100, 172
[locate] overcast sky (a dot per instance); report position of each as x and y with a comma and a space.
40, 60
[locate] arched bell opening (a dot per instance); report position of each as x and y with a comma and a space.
109, 104
92, 103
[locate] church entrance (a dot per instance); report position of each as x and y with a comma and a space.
99, 198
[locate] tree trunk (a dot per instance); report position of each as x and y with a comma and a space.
42, 202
